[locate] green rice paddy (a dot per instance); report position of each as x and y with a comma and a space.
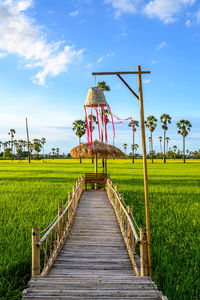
30, 194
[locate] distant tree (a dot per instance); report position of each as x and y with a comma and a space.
57, 152
12, 134
150, 143
183, 129
160, 140
174, 150
79, 126
165, 120
37, 146
134, 123
151, 123
125, 147
19, 150
53, 152
43, 142
1, 143
7, 153
167, 139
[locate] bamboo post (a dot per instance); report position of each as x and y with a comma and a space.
143, 252
117, 191
35, 251
60, 223
128, 226
145, 170
69, 211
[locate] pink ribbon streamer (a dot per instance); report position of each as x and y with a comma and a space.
91, 129
98, 124
87, 125
113, 126
105, 121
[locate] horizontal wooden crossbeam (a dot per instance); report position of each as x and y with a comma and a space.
120, 73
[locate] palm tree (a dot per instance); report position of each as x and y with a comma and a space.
79, 126
149, 138
57, 151
136, 146
183, 129
12, 134
165, 119
134, 123
160, 140
151, 124
125, 147
174, 148
102, 85
167, 139
37, 146
53, 152
43, 141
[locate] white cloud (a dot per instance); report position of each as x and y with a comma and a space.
123, 6
74, 13
146, 81
161, 46
100, 59
20, 35
166, 10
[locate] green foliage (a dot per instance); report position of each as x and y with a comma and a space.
103, 85
79, 126
165, 119
184, 127
7, 153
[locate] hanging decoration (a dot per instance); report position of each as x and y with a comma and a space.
96, 100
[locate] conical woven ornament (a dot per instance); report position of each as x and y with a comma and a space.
95, 97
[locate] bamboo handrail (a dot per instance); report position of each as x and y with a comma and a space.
128, 217
52, 241
128, 230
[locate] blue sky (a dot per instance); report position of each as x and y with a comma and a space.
48, 50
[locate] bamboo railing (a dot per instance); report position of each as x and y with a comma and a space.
46, 249
125, 219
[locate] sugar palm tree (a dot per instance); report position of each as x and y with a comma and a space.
37, 146
79, 126
183, 129
102, 85
134, 123
43, 142
167, 139
125, 147
53, 152
136, 146
160, 140
174, 148
12, 134
151, 123
165, 120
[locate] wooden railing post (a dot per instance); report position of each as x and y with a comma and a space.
143, 252
60, 223
70, 209
117, 192
35, 251
128, 226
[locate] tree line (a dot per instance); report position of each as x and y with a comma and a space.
12, 148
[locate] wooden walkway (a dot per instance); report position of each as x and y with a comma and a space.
94, 262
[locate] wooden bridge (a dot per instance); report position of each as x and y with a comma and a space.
95, 258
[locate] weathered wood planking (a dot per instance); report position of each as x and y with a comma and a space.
94, 262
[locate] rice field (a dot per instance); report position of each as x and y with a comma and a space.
30, 194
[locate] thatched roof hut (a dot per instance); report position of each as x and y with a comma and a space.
98, 149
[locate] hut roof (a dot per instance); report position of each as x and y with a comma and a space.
95, 97
101, 149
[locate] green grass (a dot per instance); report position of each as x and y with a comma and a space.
30, 194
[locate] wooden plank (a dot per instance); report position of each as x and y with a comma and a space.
94, 262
